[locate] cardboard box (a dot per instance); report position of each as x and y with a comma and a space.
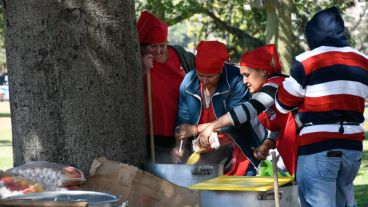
136, 186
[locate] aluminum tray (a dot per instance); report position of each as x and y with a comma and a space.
92, 197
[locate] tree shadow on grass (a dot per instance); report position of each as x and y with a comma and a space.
365, 154
361, 194
4, 115
5, 143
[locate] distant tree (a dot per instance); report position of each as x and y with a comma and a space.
2, 49
245, 23
278, 27
240, 26
75, 81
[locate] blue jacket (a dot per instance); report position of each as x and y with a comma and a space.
230, 92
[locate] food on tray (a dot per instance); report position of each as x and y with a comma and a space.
52, 176
193, 158
15, 185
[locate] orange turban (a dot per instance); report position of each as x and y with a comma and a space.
262, 58
210, 57
151, 29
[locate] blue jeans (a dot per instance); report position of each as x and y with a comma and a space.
327, 181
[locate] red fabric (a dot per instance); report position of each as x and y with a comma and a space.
240, 162
262, 58
165, 82
208, 115
284, 97
210, 57
324, 60
319, 136
334, 102
286, 143
151, 29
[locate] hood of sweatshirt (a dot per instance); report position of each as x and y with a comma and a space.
326, 28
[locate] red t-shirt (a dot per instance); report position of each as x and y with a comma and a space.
165, 82
239, 161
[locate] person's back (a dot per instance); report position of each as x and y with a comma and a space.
329, 85
333, 87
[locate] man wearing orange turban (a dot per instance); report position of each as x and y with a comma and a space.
207, 93
167, 66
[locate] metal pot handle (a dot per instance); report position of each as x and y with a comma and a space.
202, 170
269, 195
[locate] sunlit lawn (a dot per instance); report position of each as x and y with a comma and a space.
6, 156
361, 181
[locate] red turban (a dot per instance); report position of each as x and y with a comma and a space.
210, 57
151, 29
262, 58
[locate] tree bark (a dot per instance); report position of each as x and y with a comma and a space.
285, 34
76, 88
279, 30
271, 24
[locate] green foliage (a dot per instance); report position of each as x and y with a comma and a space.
361, 181
239, 28
304, 10
230, 21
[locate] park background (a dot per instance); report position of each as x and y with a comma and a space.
241, 26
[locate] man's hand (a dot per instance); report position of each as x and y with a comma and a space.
261, 152
147, 62
176, 155
224, 121
185, 131
204, 136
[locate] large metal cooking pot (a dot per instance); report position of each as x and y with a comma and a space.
246, 191
218, 198
184, 175
95, 199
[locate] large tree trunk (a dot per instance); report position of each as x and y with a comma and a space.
279, 30
75, 81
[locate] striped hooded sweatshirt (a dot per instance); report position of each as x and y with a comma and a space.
329, 86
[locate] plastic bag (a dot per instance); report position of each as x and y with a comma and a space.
265, 169
51, 175
15, 185
214, 142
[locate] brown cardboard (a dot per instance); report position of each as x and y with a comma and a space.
139, 187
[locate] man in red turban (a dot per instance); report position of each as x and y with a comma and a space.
262, 58
151, 29
207, 93
167, 66
261, 69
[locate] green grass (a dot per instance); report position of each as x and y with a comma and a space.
4, 114
6, 157
6, 154
361, 181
